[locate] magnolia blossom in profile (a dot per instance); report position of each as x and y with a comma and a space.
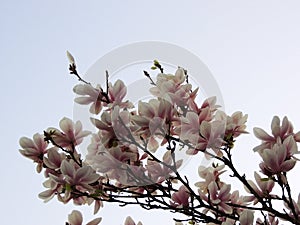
71, 133
90, 94
279, 132
34, 149
263, 187
98, 98
75, 218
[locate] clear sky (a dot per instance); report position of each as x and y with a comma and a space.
251, 47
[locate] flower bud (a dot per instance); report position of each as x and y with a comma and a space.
70, 58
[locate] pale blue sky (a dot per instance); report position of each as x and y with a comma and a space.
251, 47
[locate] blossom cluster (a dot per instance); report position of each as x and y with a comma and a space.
132, 157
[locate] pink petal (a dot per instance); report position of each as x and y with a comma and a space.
262, 135
129, 221
275, 126
67, 169
95, 221
75, 218
247, 217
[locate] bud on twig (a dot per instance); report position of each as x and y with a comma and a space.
70, 58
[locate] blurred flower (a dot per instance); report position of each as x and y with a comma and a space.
180, 198
247, 217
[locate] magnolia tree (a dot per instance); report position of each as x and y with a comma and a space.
132, 157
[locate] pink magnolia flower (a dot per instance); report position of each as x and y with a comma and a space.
129, 221
115, 127
81, 177
116, 95
275, 160
52, 189
207, 135
34, 149
153, 121
207, 109
71, 133
75, 218
209, 174
71, 177
279, 132
90, 95
170, 88
241, 200
264, 188
180, 199
54, 159
218, 196
235, 124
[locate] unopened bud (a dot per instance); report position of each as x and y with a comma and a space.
70, 58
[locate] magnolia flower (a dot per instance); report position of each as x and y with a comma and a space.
235, 124
116, 94
92, 95
75, 218
275, 160
34, 149
279, 132
265, 186
209, 174
218, 196
81, 177
180, 199
236, 199
170, 88
71, 133
209, 136
129, 221
54, 159
153, 121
